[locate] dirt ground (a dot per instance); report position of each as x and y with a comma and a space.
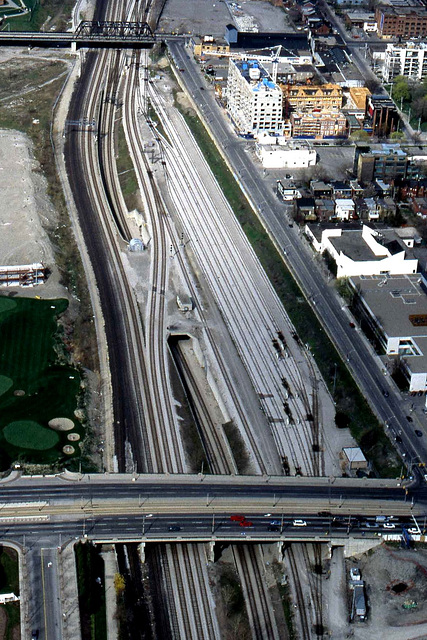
382, 569
202, 17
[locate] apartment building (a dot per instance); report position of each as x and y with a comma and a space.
382, 115
385, 163
307, 97
401, 21
254, 102
407, 59
318, 124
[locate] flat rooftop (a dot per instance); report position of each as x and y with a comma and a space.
393, 300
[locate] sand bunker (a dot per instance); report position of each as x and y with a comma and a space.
68, 449
73, 437
61, 424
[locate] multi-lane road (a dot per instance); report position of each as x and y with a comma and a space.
352, 346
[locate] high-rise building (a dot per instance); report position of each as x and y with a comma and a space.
254, 101
407, 59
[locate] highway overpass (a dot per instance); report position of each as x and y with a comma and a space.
123, 507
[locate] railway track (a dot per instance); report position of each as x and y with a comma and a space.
241, 314
262, 622
305, 626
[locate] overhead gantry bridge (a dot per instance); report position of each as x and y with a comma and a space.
89, 34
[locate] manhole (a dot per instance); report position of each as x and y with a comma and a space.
397, 587
400, 587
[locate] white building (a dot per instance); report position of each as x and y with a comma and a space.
254, 102
364, 252
395, 310
344, 208
407, 59
289, 157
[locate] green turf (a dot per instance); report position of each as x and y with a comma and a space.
28, 335
5, 384
30, 435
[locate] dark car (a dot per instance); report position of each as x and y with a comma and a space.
418, 433
273, 527
385, 393
35, 634
409, 419
398, 439
352, 325
174, 527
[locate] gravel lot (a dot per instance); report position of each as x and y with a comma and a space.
195, 16
381, 569
210, 16
23, 239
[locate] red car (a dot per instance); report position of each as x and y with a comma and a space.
237, 518
246, 523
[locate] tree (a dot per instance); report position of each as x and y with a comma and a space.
397, 135
360, 135
401, 89
119, 583
419, 108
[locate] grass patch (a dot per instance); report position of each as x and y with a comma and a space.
285, 595
234, 604
9, 571
41, 389
91, 590
58, 12
18, 113
126, 171
237, 446
9, 583
364, 426
13, 620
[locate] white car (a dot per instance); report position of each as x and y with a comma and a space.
389, 525
414, 531
299, 523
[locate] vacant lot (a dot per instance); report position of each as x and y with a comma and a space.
34, 387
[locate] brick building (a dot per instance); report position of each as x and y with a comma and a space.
306, 97
319, 124
401, 21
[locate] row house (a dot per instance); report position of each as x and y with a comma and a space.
412, 189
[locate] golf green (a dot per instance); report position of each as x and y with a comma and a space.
27, 434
